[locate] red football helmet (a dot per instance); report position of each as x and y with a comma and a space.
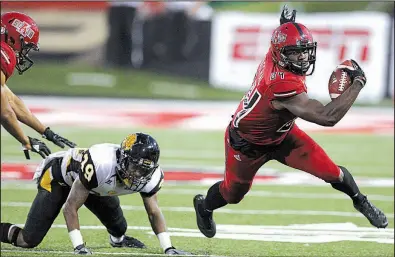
293, 48
20, 32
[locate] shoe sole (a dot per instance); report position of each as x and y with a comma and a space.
195, 205
121, 246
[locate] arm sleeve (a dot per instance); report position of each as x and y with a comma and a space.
286, 89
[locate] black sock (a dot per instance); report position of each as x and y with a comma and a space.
4, 231
214, 199
348, 186
4, 228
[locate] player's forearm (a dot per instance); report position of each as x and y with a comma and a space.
10, 123
71, 216
73, 225
336, 109
158, 222
158, 225
25, 116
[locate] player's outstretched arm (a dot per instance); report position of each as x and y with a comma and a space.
158, 225
77, 197
10, 122
314, 111
23, 113
25, 116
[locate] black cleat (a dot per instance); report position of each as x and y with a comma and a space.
204, 218
128, 242
375, 216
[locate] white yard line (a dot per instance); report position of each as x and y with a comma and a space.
229, 211
269, 194
255, 193
297, 233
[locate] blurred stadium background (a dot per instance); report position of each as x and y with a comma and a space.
177, 70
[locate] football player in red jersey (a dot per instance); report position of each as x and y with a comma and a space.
19, 35
263, 127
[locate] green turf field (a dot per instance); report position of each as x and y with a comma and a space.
278, 206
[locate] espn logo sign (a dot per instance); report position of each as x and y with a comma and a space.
252, 42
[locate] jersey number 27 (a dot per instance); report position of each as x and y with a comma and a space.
249, 102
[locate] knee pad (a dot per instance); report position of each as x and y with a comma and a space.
30, 241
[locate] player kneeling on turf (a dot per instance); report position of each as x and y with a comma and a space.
95, 177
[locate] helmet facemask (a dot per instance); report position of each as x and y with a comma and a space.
303, 67
23, 60
134, 173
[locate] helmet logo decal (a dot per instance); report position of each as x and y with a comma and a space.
23, 28
146, 163
278, 37
129, 141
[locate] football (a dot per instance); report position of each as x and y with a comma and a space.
339, 80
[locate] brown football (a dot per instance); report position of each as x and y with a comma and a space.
339, 80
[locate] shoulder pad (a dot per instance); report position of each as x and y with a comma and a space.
154, 188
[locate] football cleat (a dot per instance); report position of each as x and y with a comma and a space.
128, 242
82, 250
375, 216
204, 218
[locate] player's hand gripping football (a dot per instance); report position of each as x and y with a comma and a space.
56, 139
174, 251
356, 73
82, 250
36, 146
287, 15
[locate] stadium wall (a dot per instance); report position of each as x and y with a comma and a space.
229, 47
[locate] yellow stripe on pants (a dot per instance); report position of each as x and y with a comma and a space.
46, 181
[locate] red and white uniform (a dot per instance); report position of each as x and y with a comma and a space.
255, 119
8, 60
271, 133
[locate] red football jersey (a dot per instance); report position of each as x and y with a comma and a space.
255, 118
8, 60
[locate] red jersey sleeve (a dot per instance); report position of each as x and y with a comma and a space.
8, 60
286, 89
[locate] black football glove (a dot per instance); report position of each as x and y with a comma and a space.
82, 250
56, 139
287, 15
37, 147
174, 251
356, 73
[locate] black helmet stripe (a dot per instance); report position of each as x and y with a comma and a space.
298, 28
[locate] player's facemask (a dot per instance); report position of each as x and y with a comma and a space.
134, 173
23, 60
300, 59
